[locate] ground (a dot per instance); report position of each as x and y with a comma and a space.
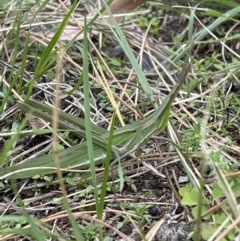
156, 173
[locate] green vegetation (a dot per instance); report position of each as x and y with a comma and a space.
108, 132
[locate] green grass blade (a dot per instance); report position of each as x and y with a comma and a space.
107, 166
90, 23
48, 57
9, 145
12, 78
203, 33
89, 140
46, 53
76, 86
23, 64
128, 51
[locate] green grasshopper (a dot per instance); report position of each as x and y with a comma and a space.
126, 139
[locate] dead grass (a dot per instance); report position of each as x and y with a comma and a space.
154, 171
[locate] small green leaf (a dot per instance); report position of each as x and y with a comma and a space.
218, 66
70, 181
108, 238
217, 192
89, 189
188, 200
148, 151
195, 194
50, 75
115, 62
232, 235
56, 201
220, 218
119, 225
208, 230
235, 60
47, 178
184, 190
26, 203
236, 187
134, 188
203, 210
18, 226
85, 175
36, 177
